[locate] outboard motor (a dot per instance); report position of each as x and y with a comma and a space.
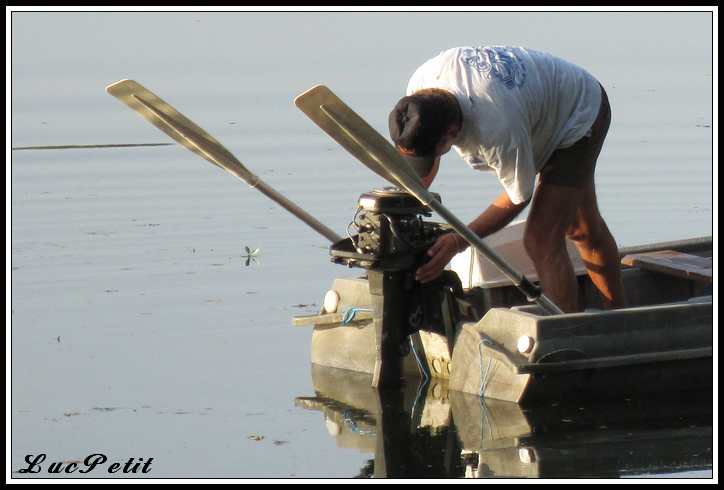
387, 232
389, 238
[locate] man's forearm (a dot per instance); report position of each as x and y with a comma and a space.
501, 212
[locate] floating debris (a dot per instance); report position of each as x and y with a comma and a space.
302, 305
251, 255
280, 443
250, 252
255, 437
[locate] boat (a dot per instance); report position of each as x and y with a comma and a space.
485, 338
472, 328
476, 330
501, 347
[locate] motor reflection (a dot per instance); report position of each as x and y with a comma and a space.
428, 431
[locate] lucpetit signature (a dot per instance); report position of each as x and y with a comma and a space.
90, 463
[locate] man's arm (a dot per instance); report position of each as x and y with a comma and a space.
501, 212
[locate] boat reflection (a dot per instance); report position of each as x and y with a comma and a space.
428, 431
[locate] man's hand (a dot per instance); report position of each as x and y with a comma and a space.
442, 251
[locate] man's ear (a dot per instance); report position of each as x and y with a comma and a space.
453, 131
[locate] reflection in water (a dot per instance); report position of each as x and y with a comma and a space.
431, 432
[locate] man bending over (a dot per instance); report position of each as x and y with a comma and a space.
519, 113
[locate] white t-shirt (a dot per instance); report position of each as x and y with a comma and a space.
518, 106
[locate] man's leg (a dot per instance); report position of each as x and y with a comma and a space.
566, 197
552, 214
565, 205
598, 250
560, 211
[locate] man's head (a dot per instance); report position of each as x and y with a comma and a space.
423, 126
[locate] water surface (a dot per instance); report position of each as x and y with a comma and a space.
138, 330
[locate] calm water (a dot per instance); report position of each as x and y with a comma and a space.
139, 331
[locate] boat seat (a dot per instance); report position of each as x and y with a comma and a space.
671, 262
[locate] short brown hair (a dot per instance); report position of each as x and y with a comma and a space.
419, 121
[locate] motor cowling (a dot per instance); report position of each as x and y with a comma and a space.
387, 232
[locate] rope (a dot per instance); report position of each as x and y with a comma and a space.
353, 425
484, 373
418, 396
350, 313
485, 422
419, 362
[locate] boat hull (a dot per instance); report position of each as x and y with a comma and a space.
661, 344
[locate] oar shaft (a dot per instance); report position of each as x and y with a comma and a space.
187, 133
310, 220
528, 288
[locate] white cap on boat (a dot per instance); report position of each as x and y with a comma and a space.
333, 427
331, 301
525, 344
526, 455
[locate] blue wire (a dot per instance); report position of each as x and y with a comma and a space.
419, 362
350, 313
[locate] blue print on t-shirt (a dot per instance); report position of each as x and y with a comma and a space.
498, 62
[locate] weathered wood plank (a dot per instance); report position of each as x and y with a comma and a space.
673, 263
328, 318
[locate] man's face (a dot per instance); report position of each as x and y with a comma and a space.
426, 179
443, 147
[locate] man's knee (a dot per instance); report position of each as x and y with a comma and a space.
588, 233
542, 242
578, 233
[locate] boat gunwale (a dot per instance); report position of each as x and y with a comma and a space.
615, 361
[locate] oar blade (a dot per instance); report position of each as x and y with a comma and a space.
184, 131
336, 119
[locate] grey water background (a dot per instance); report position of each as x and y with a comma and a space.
137, 329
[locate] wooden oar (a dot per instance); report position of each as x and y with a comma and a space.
184, 131
328, 112
381, 157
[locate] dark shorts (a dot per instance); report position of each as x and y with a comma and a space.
575, 165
